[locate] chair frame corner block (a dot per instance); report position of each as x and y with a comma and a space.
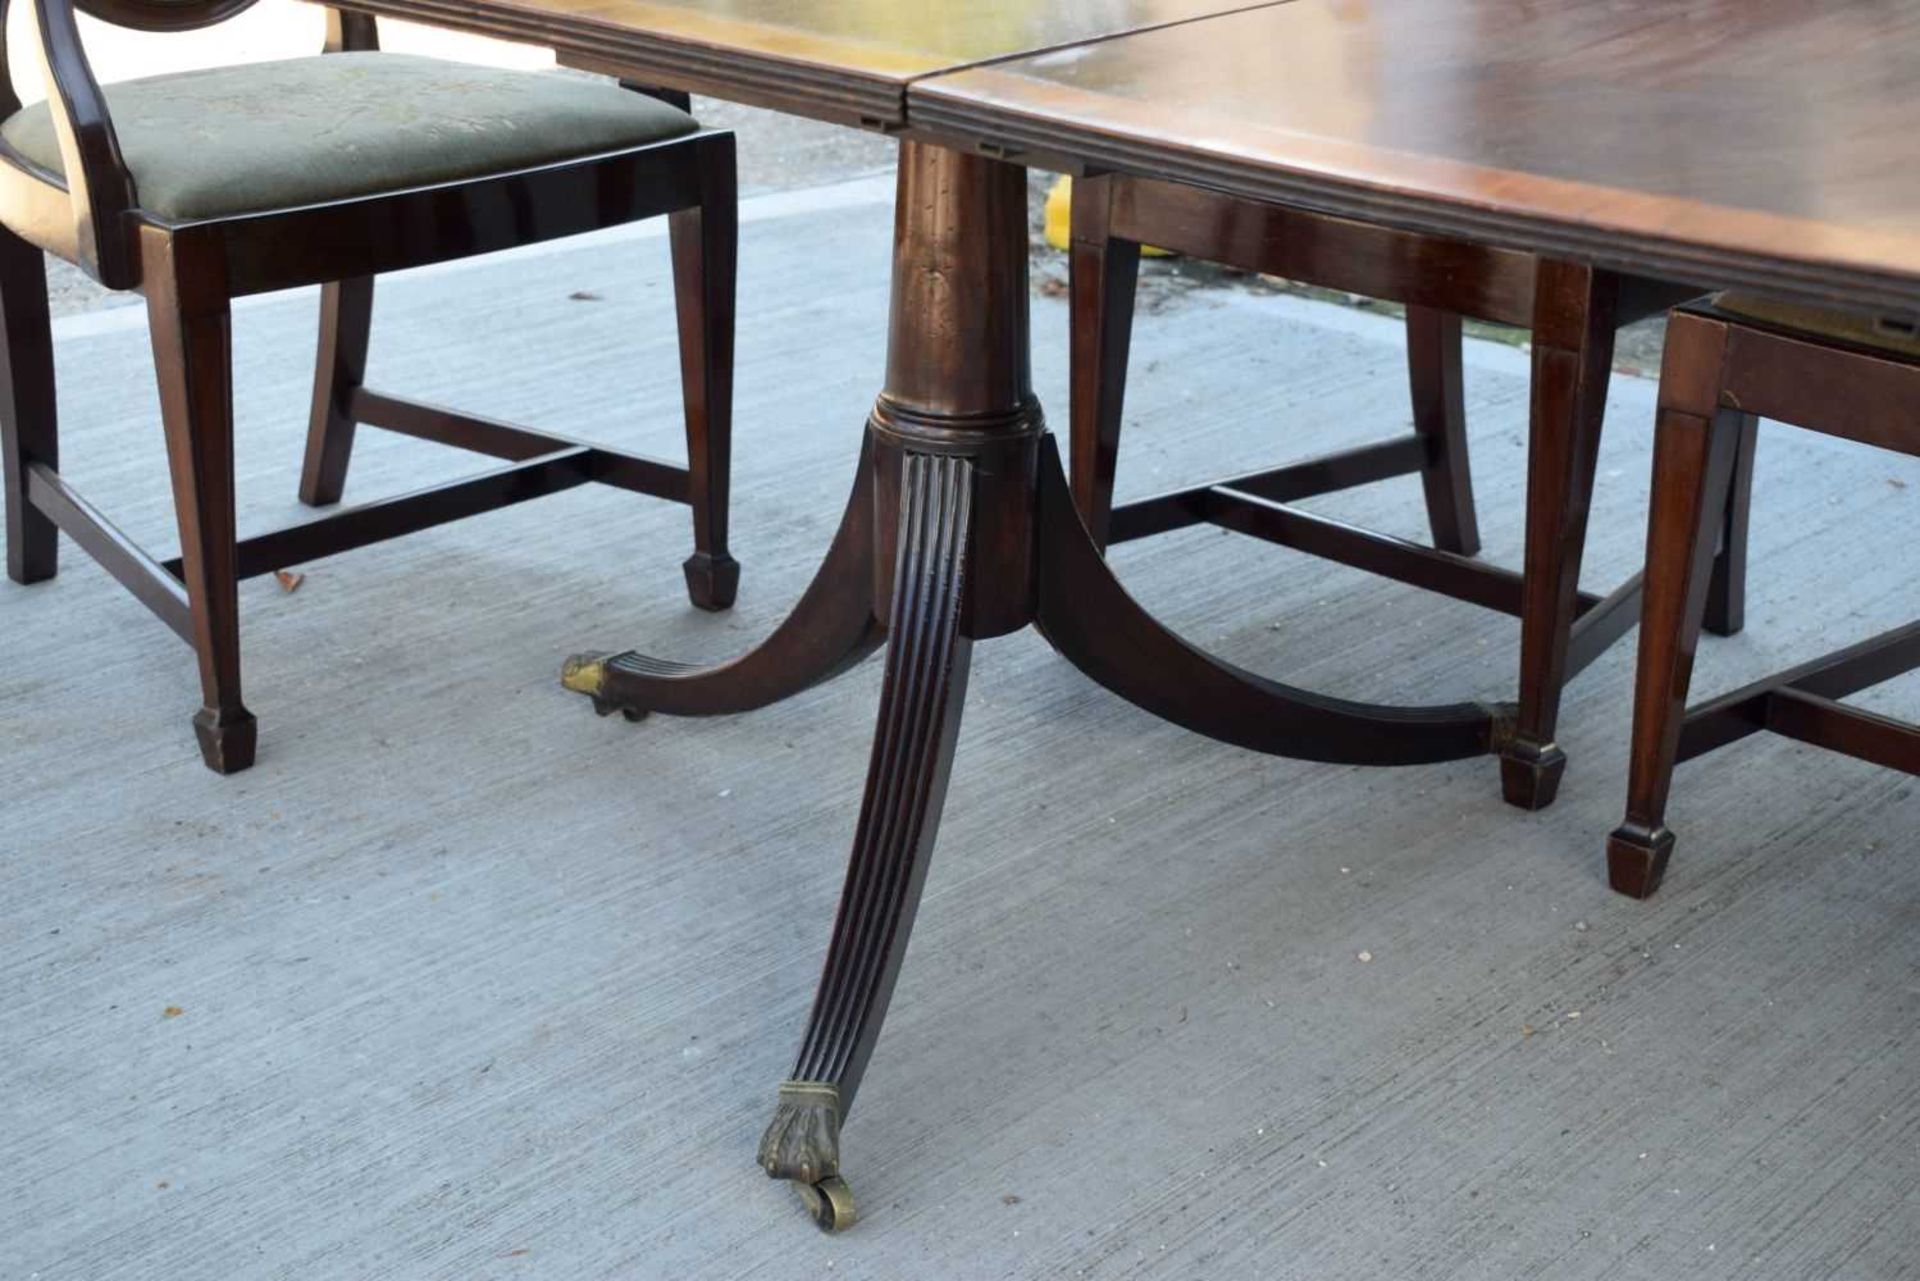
191, 271
1721, 372
1572, 310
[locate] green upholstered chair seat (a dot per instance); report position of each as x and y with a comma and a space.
1851, 328
276, 135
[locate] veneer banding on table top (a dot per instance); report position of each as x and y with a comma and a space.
1643, 137
803, 57
1645, 254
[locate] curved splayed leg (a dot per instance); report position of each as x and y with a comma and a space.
1087, 615
832, 628
919, 720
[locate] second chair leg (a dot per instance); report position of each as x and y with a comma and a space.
340, 368
28, 428
188, 310
1440, 419
705, 248
1696, 448
1103, 273
1572, 359
1727, 593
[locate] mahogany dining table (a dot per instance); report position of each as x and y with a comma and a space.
1764, 144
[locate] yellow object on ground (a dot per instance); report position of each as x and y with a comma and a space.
1060, 218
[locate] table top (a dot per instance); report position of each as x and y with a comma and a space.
847, 60
1765, 143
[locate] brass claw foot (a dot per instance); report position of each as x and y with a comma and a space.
802, 1142
830, 1202
587, 674
802, 1145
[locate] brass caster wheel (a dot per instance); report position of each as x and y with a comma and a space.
601, 707
830, 1202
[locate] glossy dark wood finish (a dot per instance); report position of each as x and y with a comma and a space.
1102, 271
1089, 618
954, 393
164, 15
704, 240
340, 367
29, 432
1737, 142
191, 271
188, 311
1742, 712
847, 63
1573, 312
1573, 325
919, 721
1719, 371
151, 584
831, 628
1727, 591
1438, 384
346, 323
970, 532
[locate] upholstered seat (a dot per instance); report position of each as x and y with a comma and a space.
1830, 323
276, 135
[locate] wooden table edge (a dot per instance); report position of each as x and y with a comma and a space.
1675, 238
694, 59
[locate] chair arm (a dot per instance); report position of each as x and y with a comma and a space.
350, 31
98, 183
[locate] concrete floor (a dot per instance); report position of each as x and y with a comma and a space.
463, 982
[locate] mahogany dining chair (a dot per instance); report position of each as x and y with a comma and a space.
1728, 361
197, 188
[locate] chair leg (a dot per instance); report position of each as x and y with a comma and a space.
1572, 357
1102, 274
705, 248
28, 425
1440, 419
1727, 594
346, 316
187, 308
1695, 453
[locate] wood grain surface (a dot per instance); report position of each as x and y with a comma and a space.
1765, 143
847, 60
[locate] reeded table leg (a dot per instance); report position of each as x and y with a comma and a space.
919, 719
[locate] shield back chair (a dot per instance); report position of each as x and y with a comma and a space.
1727, 360
198, 188
1572, 310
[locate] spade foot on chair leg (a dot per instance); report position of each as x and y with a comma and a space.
1530, 774
1637, 858
227, 739
712, 580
